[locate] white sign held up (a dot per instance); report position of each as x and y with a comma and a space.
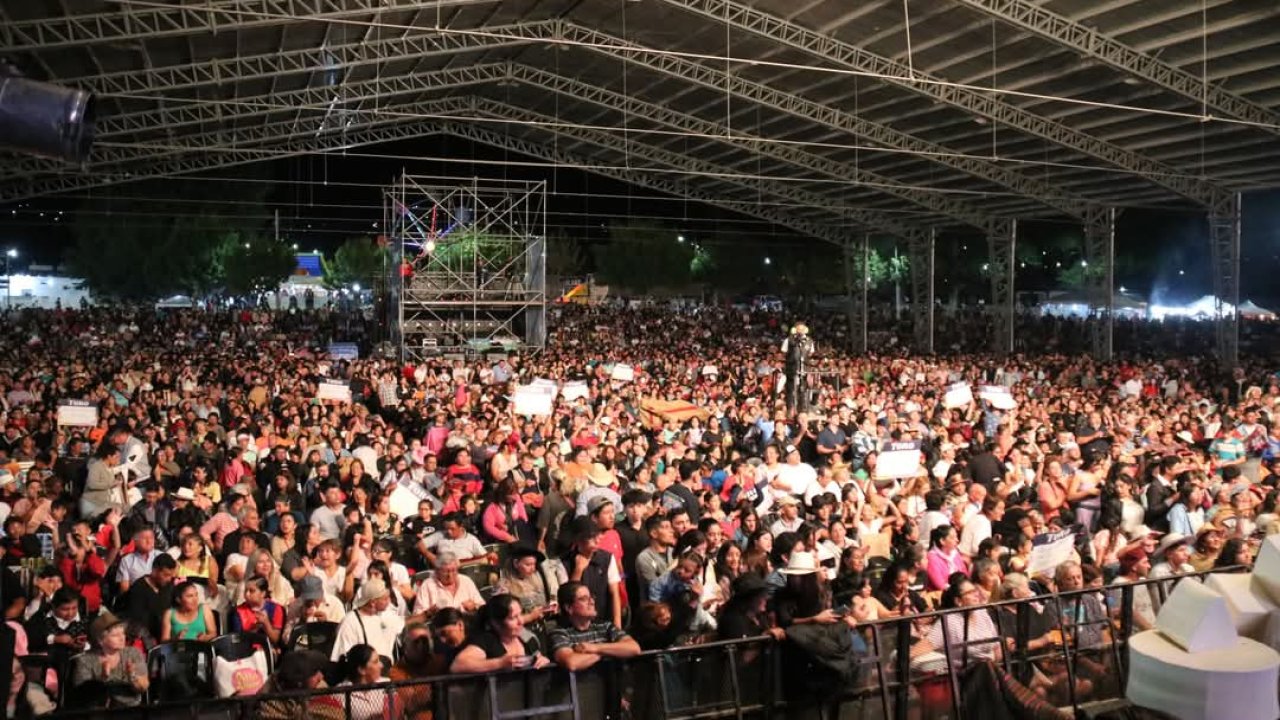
958, 395
575, 389
899, 460
1049, 550
334, 390
623, 373
534, 399
999, 397
77, 413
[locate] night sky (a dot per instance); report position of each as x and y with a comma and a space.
324, 199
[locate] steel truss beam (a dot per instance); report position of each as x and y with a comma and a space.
988, 105
549, 81
1224, 239
220, 71
218, 16
225, 71
198, 162
856, 256
1100, 253
128, 164
1001, 246
1070, 34
920, 252
721, 82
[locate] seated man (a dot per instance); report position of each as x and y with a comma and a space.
447, 588
581, 640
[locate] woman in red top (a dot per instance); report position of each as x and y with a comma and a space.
83, 570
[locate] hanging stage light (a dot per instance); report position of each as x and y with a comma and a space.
38, 118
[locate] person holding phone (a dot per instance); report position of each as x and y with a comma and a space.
501, 643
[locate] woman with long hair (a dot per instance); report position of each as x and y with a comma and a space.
362, 666
189, 618
258, 613
945, 558
195, 561
500, 643
260, 563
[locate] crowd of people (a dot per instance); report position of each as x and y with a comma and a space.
434, 530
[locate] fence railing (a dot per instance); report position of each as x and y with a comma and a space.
752, 677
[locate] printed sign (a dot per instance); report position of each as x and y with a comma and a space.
77, 413
958, 395
1048, 551
623, 373
575, 389
334, 390
534, 399
710, 370
344, 351
899, 460
999, 397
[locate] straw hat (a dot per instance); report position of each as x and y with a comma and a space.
800, 563
599, 475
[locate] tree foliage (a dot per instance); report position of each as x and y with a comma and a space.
256, 266
358, 260
137, 251
643, 257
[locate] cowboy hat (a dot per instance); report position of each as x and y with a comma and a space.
800, 563
598, 474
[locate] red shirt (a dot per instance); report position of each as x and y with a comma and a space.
86, 578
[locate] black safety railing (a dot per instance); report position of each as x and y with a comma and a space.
759, 677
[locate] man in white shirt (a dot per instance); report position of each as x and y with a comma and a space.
1174, 551
456, 541
368, 623
794, 477
826, 483
978, 527
446, 588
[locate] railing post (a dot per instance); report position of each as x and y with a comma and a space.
903, 669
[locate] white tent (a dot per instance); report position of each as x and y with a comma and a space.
1253, 311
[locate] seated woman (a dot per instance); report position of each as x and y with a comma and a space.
501, 642
970, 636
361, 665
258, 613
299, 670
112, 674
188, 619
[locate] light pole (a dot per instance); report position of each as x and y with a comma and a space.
9, 255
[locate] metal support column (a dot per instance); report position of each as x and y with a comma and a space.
920, 252
856, 257
1100, 277
1224, 239
1001, 241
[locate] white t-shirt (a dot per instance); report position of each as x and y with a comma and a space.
379, 631
797, 478
976, 529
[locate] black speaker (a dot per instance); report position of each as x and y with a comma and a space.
38, 118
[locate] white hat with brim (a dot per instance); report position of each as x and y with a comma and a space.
1170, 541
370, 591
600, 475
800, 563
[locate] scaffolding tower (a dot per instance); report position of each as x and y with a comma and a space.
470, 265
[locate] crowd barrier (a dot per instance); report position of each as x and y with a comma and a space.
754, 677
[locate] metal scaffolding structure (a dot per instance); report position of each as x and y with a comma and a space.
920, 251
1001, 246
470, 260
1100, 278
1224, 245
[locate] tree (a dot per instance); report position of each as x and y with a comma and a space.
255, 265
142, 250
566, 256
358, 260
643, 257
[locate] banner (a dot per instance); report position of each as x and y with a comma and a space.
1049, 550
623, 373
999, 397
334, 390
77, 413
899, 460
958, 395
344, 351
534, 399
575, 389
